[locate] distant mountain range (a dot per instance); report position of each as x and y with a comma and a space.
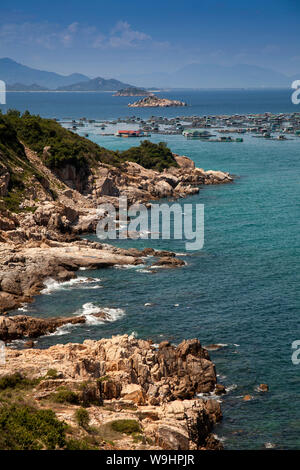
19, 77
213, 76
12, 72
22, 87
95, 84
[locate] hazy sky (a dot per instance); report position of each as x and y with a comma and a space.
112, 37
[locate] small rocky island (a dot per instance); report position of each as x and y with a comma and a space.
153, 101
132, 91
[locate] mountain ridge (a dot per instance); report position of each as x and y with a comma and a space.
12, 72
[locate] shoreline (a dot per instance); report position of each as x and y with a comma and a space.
155, 387
152, 387
34, 245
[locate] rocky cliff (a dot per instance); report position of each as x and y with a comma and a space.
125, 378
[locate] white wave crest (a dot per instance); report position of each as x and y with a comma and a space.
231, 387
130, 266
269, 445
51, 285
90, 310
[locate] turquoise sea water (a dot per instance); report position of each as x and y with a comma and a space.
241, 289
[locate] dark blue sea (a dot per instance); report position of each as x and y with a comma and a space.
241, 290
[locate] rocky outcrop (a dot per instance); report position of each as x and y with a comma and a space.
42, 242
73, 212
22, 326
133, 379
169, 262
26, 266
154, 102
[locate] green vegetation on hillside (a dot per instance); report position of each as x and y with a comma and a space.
58, 147
26, 428
67, 147
15, 381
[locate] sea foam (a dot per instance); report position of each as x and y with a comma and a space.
51, 285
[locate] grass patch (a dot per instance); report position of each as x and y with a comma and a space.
126, 426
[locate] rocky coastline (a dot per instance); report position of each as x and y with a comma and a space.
123, 378
45, 243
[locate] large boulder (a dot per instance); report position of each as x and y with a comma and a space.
106, 187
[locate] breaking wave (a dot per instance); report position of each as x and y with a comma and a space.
90, 311
51, 285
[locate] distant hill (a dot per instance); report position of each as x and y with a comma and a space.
132, 91
14, 73
96, 84
236, 76
22, 87
212, 76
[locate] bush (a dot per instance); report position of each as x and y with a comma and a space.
16, 380
82, 418
126, 426
150, 155
79, 444
64, 395
27, 428
52, 374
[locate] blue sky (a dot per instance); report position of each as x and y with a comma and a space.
111, 38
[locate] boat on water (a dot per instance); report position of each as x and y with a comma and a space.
131, 133
197, 134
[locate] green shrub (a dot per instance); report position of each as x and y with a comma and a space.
52, 374
126, 426
150, 155
82, 418
27, 428
16, 380
79, 444
64, 395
